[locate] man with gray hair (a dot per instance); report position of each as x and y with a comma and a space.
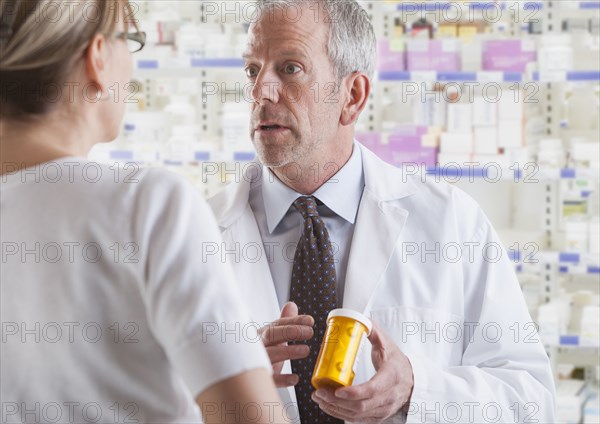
338, 227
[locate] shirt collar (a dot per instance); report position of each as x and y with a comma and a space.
349, 180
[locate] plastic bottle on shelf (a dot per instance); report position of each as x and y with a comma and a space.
576, 234
446, 30
180, 110
584, 153
553, 318
594, 236
555, 56
399, 28
551, 153
590, 326
421, 29
582, 108
548, 320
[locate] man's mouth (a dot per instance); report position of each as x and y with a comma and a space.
271, 128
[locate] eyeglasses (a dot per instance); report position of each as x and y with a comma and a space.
135, 40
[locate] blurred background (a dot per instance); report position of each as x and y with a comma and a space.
501, 98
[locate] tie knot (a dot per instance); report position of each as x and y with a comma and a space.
307, 206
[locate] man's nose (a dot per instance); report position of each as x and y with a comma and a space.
266, 88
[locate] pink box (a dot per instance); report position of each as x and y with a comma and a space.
390, 55
508, 55
426, 156
372, 141
406, 147
433, 55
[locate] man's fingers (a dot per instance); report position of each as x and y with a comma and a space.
380, 382
290, 309
377, 337
364, 411
283, 353
349, 406
286, 333
336, 412
295, 320
306, 320
285, 380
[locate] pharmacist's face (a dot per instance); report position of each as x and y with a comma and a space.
296, 108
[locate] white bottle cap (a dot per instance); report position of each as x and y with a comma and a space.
349, 313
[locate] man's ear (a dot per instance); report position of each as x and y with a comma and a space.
358, 88
95, 62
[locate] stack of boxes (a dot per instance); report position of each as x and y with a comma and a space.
508, 55
571, 396
471, 52
433, 55
485, 131
391, 55
406, 144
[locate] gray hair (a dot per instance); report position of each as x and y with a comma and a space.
352, 44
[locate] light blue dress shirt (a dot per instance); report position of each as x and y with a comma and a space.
281, 225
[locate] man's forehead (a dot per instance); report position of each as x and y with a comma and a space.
294, 15
286, 28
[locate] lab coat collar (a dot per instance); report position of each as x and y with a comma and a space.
230, 203
380, 222
278, 198
384, 182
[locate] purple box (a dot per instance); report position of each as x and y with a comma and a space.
427, 157
433, 55
406, 147
391, 55
508, 55
372, 141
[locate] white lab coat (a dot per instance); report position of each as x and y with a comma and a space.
497, 371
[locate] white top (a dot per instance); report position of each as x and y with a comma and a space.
110, 310
281, 225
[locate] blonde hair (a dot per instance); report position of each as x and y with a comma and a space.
41, 40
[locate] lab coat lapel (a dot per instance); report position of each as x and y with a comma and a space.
240, 230
378, 227
254, 275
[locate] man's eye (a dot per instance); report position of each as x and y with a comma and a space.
292, 69
251, 72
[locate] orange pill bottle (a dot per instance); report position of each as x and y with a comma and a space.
335, 365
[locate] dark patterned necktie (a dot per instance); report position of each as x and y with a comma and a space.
314, 291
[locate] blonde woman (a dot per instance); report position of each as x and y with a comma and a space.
110, 310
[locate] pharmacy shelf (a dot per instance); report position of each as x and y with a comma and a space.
492, 172
453, 76
412, 7
575, 263
446, 172
125, 155
183, 65
487, 76
574, 76
568, 174
589, 5
574, 341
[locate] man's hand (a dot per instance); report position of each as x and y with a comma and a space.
275, 336
379, 398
